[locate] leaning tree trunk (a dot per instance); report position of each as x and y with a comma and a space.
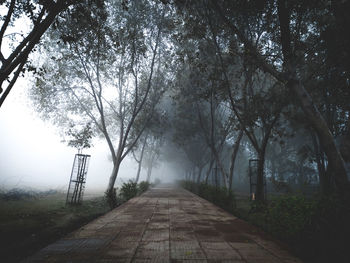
335, 161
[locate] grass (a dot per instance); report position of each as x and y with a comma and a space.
28, 225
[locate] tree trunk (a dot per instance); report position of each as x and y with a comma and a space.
140, 161
220, 166
110, 192
199, 174
149, 171
273, 170
138, 172
260, 193
209, 170
325, 183
233, 158
336, 164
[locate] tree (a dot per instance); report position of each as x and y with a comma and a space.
151, 139
40, 14
80, 139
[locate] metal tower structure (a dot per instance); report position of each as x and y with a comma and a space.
78, 179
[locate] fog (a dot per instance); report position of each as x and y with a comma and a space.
32, 154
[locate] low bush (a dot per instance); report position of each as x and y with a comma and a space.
111, 198
143, 186
131, 189
128, 190
288, 217
317, 229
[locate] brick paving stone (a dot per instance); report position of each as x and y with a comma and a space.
182, 254
166, 224
189, 261
178, 235
130, 236
153, 251
119, 260
120, 249
156, 235
158, 225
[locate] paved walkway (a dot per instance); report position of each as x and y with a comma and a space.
165, 224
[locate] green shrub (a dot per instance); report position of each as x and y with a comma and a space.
111, 198
143, 186
289, 216
128, 190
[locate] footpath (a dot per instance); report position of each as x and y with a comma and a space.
166, 224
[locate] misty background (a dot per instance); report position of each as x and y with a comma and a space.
32, 154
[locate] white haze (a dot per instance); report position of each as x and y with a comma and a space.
33, 156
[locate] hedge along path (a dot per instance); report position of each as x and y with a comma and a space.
166, 224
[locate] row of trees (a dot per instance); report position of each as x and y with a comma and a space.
266, 68
220, 79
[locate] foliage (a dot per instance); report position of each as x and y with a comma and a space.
128, 190
18, 194
328, 231
111, 198
143, 186
312, 227
80, 139
38, 16
131, 189
289, 216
